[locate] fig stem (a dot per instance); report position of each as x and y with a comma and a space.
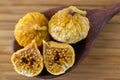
40, 28
74, 9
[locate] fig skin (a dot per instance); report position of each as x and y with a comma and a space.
28, 61
33, 25
58, 57
69, 25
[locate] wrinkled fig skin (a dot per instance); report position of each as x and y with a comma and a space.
28, 61
33, 25
58, 57
69, 25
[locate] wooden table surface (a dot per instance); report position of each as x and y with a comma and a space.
102, 62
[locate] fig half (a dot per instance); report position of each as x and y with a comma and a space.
58, 57
28, 61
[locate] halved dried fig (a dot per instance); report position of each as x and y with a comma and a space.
58, 57
69, 25
28, 61
33, 25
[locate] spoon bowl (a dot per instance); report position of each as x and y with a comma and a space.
97, 18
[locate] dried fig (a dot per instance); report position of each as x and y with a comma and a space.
58, 57
28, 61
69, 25
33, 25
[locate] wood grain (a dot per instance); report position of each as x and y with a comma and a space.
102, 63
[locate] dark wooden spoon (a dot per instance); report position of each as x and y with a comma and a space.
98, 19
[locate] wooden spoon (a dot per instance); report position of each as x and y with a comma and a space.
98, 19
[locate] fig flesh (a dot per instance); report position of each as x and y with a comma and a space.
58, 57
28, 61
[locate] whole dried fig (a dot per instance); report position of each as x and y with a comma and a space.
33, 25
69, 25
58, 57
28, 61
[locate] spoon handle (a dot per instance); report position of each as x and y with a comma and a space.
99, 18
104, 15
110, 11
114, 9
